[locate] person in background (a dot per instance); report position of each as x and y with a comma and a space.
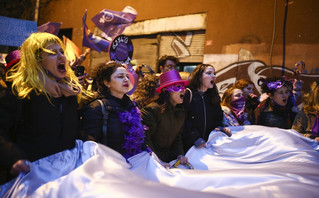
204, 112
276, 110
307, 120
251, 100
233, 106
167, 63
10, 60
112, 118
145, 92
165, 119
38, 113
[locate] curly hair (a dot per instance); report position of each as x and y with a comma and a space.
104, 72
145, 91
27, 75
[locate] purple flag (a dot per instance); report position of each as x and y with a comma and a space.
50, 27
91, 41
113, 23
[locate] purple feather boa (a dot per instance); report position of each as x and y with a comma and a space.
134, 137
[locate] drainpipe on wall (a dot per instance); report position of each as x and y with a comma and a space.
36, 11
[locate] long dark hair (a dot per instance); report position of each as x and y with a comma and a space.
196, 81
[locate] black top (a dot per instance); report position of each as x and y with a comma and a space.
202, 117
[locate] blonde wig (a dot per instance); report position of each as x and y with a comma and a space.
28, 75
312, 102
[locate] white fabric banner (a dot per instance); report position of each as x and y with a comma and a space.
256, 161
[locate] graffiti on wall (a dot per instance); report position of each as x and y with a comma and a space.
181, 43
253, 70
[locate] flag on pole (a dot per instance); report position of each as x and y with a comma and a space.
50, 27
71, 50
113, 23
92, 41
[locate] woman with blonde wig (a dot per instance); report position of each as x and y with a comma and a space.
39, 112
307, 120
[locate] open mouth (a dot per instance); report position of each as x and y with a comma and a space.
61, 68
284, 101
212, 82
182, 96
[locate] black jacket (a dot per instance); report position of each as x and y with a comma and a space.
202, 117
35, 128
269, 114
92, 120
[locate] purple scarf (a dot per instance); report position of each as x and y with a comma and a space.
315, 127
134, 137
238, 108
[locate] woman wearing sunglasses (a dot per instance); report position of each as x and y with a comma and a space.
165, 119
276, 110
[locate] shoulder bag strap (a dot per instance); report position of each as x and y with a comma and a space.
105, 117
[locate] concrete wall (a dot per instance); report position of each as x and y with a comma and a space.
235, 29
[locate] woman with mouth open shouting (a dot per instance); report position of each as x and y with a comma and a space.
38, 113
204, 112
165, 119
276, 110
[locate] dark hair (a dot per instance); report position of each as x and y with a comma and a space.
104, 72
196, 81
163, 100
242, 83
163, 59
145, 91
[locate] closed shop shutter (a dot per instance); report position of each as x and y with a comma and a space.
188, 46
145, 50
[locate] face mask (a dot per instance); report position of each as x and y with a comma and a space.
238, 108
176, 87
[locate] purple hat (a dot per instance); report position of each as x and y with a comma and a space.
12, 58
169, 78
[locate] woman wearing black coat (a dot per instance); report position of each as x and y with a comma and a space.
38, 113
204, 111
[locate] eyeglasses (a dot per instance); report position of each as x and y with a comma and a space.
176, 87
170, 66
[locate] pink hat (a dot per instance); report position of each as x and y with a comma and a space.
169, 78
12, 58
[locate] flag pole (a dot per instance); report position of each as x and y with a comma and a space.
36, 11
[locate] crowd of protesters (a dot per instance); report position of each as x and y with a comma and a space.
45, 107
